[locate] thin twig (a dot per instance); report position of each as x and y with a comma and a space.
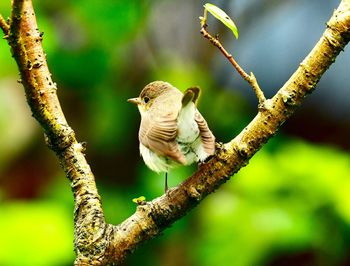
249, 78
4, 26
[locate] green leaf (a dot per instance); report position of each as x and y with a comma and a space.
140, 200
223, 17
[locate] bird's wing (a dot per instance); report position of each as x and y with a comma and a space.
207, 136
159, 136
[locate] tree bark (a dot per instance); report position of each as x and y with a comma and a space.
99, 243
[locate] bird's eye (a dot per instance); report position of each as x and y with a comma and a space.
146, 99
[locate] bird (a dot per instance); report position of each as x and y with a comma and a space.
172, 131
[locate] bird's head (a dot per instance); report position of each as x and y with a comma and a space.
149, 94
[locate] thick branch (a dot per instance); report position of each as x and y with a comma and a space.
41, 92
153, 217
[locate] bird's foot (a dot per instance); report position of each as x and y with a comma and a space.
169, 191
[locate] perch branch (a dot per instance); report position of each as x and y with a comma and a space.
249, 78
98, 243
152, 218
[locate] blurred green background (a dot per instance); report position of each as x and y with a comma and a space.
289, 206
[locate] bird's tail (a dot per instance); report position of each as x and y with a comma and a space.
190, 95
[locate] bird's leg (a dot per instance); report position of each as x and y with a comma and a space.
166, 182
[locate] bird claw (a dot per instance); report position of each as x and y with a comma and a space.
169, 191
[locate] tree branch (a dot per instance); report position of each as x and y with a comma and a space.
41, 92
249, 78
98, 243
4, 26
153, 217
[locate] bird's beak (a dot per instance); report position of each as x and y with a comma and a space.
136, 101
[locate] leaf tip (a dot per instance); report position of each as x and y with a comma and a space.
221, 15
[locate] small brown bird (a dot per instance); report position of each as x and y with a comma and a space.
172, 131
